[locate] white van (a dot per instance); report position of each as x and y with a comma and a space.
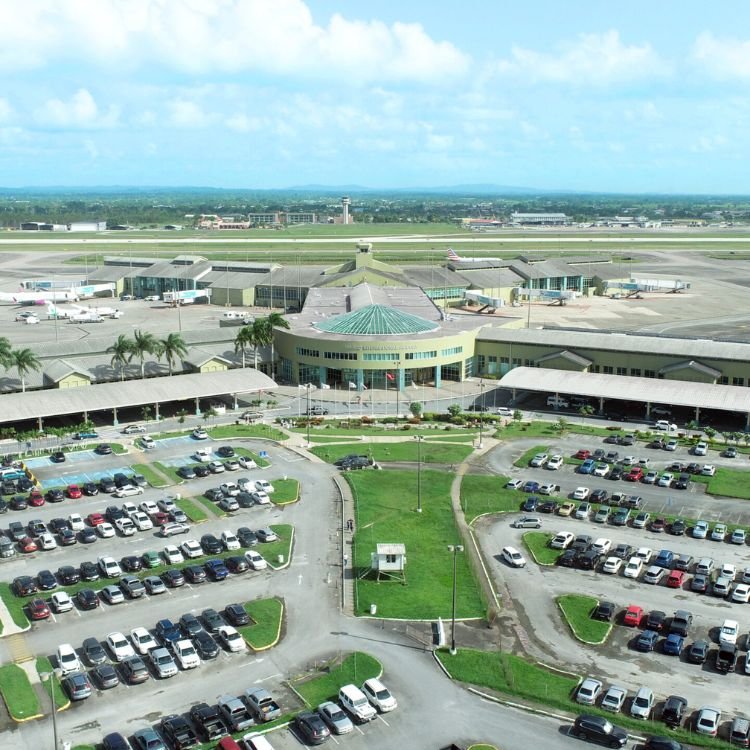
558, 402
355, 703
665, 424
232, 315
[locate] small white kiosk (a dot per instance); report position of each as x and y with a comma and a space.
389, 562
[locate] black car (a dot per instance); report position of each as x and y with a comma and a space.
678, 527
132, 563
246, 536
190, 624
599, 496
115, 741
56, 525
698, 652
214, 494
16, 530
235, 614
236, 564
107, 484
694, 468
194, 573
37, 527
94, 651
568, 559
178, 731
208, 721
211, 545
548, 506
24, 586
212, 620
68, 575
19, 502
105, 676
615, 474
90, 489
7, 487
201, 470
312, 728
623, 551
672, 714
604, 611
46, 580
681, 622
682, 482
87, 599
205, 645
656, 620
245, 500
225, 451
599, 729
173, 578
24, 484
121, 480
646, 641
186, 472
87, 535
589, 560
89, 571
103, 449
661, 743
58, 457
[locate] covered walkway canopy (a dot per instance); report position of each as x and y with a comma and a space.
731, 398
17, 407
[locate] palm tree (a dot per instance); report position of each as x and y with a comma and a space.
121, 351
262, 336
24, 360
275, 320
5, 349
171, 348
243, 341
143, 343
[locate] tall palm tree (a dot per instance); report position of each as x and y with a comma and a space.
24, 360
262, 335
143, 343
121, 351
5, 349
171, 348
275, 320
243, 341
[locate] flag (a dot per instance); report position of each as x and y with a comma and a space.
389, 376
414, 385
352, 386
364, 387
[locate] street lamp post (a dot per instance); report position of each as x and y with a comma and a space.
307, 388
481, 411
455, 549
419, 439
48, 676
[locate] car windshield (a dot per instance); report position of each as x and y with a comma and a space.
641, 702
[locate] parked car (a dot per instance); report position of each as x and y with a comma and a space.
599, 729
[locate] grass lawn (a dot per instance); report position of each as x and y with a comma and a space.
246, 431
523, 461
576, 609
482, 747
213, 510
15, 606
285, 491
262, 462
265, 629
18, 693
456, 437
193, 511
170, 471
328, 439
386, 512
154, 479
537, 543
43, 664
549, 429
355, 668
272, 550
431, 453
481, 493
727, 482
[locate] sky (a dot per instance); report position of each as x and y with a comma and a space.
642, 97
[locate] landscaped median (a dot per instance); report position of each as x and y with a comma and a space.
406, 451
267, 617
537, 543
154, 478
286, 491
16, 606
43, 665
577, 609
482, 494
191, 509
279, 553
18, 693
355, 668
525, 459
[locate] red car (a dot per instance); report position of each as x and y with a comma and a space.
583, 454
658, 525
74, 491
27, 544
633, 616
675, 579
634, 475
95, 519
36, 499
38, 609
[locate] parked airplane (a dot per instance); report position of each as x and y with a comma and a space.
38, 298
454, 257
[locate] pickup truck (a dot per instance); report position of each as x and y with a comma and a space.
726, 658
208, 720
262, 704
235, 713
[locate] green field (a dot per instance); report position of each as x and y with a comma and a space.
431, 453
265, 629
283, 546
727, 482
18, 693
576, 609
43, 665
386, 504
481, 494
15, 606
537, 543
355, 668
152, 477
285, 491
523, 461
191, 509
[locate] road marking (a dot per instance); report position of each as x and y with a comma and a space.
299, 579
383, 720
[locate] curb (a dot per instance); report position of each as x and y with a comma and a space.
572, 629
288, 561
278, 632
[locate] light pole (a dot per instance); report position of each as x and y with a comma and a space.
48, 677
481, 411
419, 439
455, 549
307, 388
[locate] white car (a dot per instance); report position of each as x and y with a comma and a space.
172, 555
261, 498
548, 489
514, 484
634, 568
719, 532
642, 703
143, 641
539, 460
654, 574
203, 455
582, 511
186, 655
142, 521
645, 553
246, 462
263, 486
601, 470
119, 646
229, 540
255, 560
562, 540
666, 479
149, 507
128, 490
730, 630
602, 545
61, 602
147, 443
231, 638
163, 663
612, 565
588, 691
216, 467
105, 530
701, 449
700, 530
708, 721
191, 549
671, 445
741, 593
728, 570
67, 659
379, 695
230, 489
513, 557
555, 462
125, 526
709, 470
581, 493
129, 508
76, 522
504, 411
46, 541
199, 434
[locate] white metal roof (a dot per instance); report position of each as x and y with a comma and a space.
675, 392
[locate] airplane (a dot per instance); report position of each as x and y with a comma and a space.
38, 298
454, 257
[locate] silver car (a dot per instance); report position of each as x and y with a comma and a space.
333, 715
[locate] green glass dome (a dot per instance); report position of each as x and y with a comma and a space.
377, 320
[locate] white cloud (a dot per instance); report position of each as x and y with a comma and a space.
79, 111
709, 143
242, 123
593, 59
6, 111
276, 36
184, 113
723, 58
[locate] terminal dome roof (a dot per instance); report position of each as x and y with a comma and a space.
377, 320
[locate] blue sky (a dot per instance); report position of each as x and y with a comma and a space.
654, 97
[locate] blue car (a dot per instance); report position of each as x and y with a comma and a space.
530, 504
673, 644
167, 632
646, 641
531, 487
664, 559
587, 467
216, 569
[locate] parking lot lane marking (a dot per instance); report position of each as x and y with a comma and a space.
359, 729
383, 720
52, 615
333, 737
